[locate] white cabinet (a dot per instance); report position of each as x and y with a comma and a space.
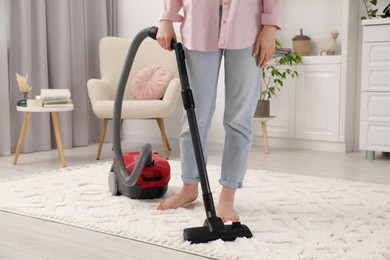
375, 90
318, 102
283, 108
308, 108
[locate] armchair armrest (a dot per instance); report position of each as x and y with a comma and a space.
172, 91
99, 90
171, 96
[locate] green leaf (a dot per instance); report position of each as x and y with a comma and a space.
274, 75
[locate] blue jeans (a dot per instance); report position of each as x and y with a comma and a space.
242, 90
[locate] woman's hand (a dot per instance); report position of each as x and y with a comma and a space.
165, 35
265, 45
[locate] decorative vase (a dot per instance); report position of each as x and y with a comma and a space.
263, 108
23, 102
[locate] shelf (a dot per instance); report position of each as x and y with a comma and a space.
45, 109
376, 21
334, 59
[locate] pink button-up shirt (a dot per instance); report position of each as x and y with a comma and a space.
241, 21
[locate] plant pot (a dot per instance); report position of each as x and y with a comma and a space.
263, 108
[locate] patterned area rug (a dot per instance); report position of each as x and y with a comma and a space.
291, 216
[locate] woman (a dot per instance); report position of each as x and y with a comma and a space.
243, 31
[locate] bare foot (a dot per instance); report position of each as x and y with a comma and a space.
187, 194
226, 209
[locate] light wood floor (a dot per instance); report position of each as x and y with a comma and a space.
29, 238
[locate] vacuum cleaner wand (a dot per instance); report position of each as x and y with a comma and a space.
213, 227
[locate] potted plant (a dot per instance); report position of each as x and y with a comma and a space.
274, 75
372, 10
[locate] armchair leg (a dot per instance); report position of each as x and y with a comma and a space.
166, 146
102, 135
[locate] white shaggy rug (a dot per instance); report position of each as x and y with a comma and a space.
291, 216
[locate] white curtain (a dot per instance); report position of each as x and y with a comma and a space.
56, 44
5, 143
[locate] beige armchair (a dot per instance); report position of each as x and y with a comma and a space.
113, 51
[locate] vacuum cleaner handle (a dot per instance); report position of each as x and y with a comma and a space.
153, 34
180, 58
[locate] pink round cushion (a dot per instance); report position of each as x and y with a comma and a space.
151, 82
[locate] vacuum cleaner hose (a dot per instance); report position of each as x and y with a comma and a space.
145, 156
144, 159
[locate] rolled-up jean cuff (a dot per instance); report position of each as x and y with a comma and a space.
229, 184
190, 180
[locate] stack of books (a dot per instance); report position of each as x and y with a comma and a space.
280, 52
51, 98
56, 97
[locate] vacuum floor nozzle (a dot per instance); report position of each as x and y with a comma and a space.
203, 235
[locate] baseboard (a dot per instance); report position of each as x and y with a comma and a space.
338, 147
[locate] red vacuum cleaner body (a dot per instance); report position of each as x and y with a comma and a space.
152, 178
156, 175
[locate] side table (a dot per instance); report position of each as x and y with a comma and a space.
263, 121
53, 111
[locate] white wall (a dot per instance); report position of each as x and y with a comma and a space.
5, 144
134, 16
314, 18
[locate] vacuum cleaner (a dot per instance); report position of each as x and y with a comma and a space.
146, 177
213, 227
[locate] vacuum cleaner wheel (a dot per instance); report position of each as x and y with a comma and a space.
112, 183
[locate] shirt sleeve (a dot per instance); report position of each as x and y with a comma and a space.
171, 10
272, 13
